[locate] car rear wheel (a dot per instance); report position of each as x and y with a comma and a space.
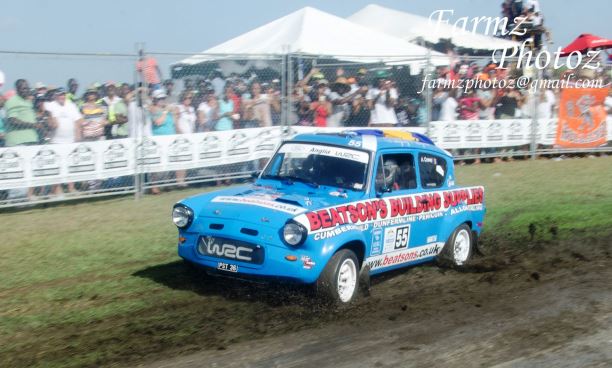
459, 247
339, 281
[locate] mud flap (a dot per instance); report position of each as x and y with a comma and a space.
364, 280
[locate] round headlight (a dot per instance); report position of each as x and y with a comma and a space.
294, 234
182, 216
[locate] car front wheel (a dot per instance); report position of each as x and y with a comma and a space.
339, 281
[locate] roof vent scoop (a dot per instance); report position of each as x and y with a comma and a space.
397, 134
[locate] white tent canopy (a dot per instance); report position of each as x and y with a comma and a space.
310, 31
411, 27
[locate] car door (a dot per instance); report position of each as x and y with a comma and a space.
432, 172
396, 181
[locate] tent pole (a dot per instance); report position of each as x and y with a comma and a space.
289, 87
428, 102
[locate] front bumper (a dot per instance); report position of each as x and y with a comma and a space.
303, 269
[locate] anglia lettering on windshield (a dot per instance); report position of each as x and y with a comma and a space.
314, 149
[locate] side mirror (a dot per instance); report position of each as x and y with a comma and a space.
255, 174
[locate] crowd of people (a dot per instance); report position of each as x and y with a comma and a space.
355, 97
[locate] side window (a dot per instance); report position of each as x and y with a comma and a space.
432, 169
396, 172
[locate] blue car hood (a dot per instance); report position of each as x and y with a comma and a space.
276, 203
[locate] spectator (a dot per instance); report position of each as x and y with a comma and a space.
485, 103
273, 93
73, 87
20, 122
163, 118
507, 102
437, 98
361, 76
117, 113
186, 114
186, 120
257, 110
303, 114
340, 98
40, 89
173, 97
321, 107
201, 91
45, 121
404, 111
149, 70
188, 84
360, 113
237, 102
449, 105
162, 115
218, 83
208, 113
67, 116
139, 123
469, 107
69, 121
226, 110
382, 101
546, 104
94, 117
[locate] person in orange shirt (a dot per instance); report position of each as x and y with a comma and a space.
149, 70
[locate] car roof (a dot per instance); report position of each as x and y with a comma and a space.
373, 140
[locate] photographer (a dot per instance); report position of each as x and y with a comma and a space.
382, 101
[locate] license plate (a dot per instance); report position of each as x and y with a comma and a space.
227, 267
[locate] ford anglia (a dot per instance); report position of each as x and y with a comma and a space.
329, 208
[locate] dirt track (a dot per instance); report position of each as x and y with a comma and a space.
546, 306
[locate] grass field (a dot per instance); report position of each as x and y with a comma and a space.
97, 283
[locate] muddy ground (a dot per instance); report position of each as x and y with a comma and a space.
544, 305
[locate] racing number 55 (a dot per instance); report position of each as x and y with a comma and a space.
401, 237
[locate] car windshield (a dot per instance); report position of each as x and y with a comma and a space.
316, 164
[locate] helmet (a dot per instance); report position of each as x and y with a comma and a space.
388, 178
391, 172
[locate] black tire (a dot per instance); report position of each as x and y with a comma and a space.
449, 257
327, 284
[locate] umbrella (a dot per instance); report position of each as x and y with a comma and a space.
586, 41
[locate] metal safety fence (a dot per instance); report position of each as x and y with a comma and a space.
145, 122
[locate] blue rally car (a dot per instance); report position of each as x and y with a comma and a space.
329, 209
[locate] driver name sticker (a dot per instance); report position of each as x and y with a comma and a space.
314, 149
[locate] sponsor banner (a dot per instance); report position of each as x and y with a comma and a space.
30, 166
260, 202
477, 133
582, 117
394, 210
192, 151
404, 256
497, 133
